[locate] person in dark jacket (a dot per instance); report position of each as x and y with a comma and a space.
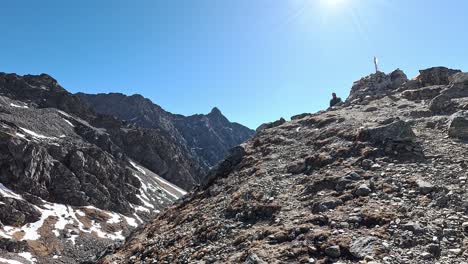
335, 100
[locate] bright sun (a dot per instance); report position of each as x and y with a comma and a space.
334, 3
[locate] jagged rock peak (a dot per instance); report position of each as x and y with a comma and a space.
215, 111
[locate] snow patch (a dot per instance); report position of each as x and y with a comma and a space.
138, 168
115, 218
9, 261
63, 113
27, 256
18, 106
65, 215
5, 192
131, 221
36, 135
68, 122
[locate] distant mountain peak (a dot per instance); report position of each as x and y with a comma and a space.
216, 111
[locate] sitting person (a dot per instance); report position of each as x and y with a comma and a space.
335, 100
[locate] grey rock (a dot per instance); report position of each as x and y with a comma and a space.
396, 131
434, 249
327, 205
424, 187
458, 126
376, 85
364, 246
436, 76
416, 228
461, 77
333, 251
254, 259
363, 190
297, 168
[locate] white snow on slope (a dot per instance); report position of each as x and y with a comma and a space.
115, 218
64, 215
9, 261
63, 113
131, 221
138, 167
18, 106
68, 122
163, 184
5, 192
36, 135
28, 256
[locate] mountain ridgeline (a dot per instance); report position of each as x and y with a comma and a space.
74, 178
206, 138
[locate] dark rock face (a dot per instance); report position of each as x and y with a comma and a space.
205, 138
211, 136
436, 76
155, 148
42, 91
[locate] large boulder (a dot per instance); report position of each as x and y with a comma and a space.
441, 104
458, 126
436, 76
376, 85
396, 131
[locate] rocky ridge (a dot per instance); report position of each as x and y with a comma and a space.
206, 138
379, 179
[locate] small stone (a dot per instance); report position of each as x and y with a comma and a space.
424, 187
465, 226
426, 255
355, 219
366, 164
333, 251
416, 228
434, 249
456, 251
363, 190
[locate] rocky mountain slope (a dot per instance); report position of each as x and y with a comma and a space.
379, 179
206, 137
73, 181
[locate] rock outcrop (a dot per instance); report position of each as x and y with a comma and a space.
378, 180
376, 85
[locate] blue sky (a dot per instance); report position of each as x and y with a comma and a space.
257, 60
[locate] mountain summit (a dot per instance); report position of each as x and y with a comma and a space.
379, 179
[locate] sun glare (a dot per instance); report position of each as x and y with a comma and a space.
334, 3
